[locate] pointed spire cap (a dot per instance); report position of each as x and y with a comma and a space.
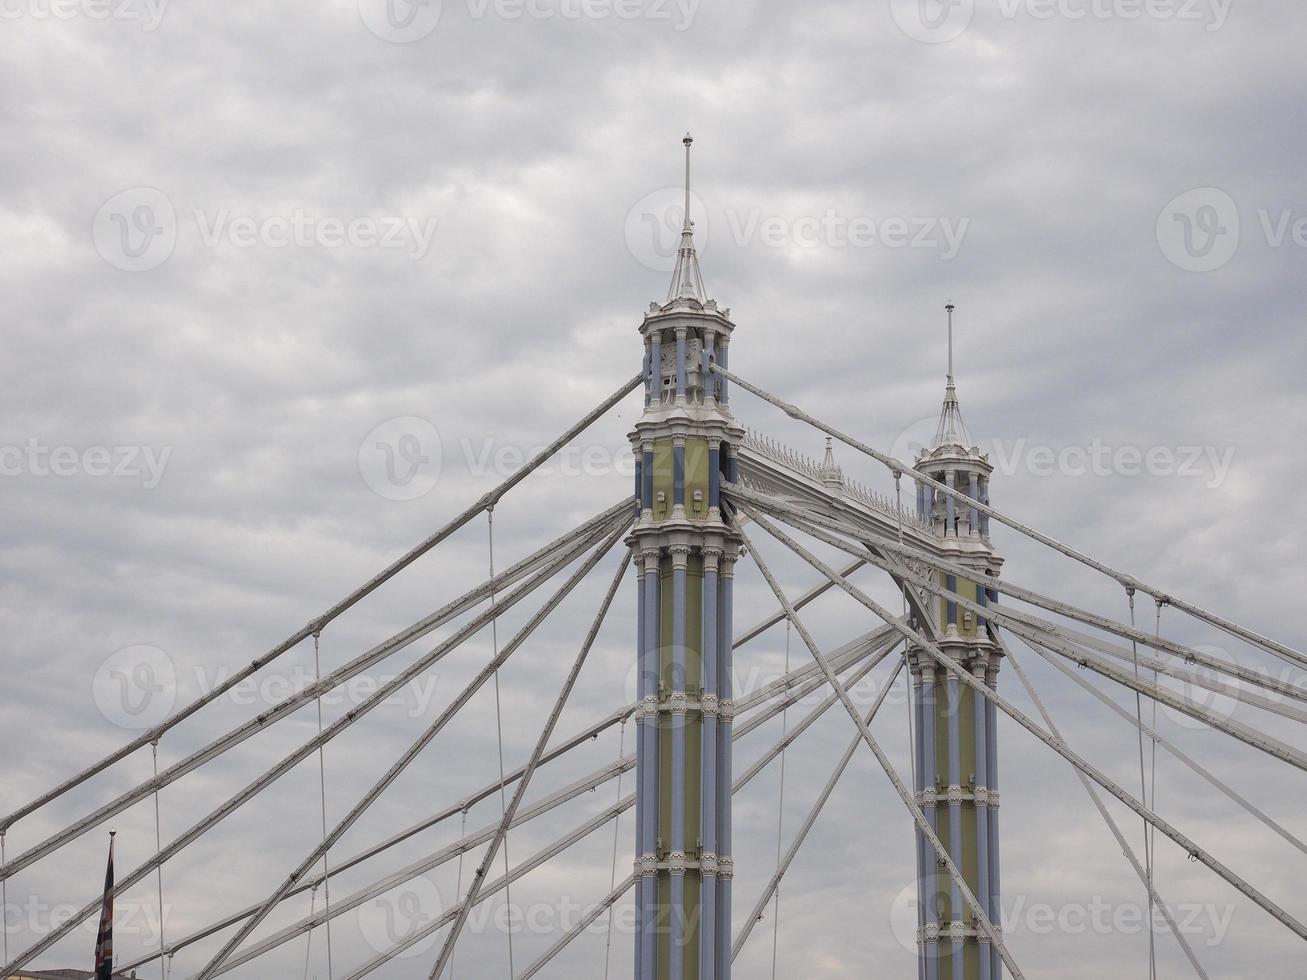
952, 430
687, 279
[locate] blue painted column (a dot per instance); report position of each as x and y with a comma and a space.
656, 355
680, 364
931, 771
714, 480
982, 816
974, 518
956, 912
711, 709
648, 373
647, 473
678, 477
923, 864
677, 719
648, 783
709, 385
725, 776
984, 499
991, 758
641, 767
950, 505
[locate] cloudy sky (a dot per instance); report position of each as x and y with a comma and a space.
251, 249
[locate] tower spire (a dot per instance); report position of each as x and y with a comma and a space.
952, 431
687, 280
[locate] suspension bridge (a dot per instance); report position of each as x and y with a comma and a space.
705, 489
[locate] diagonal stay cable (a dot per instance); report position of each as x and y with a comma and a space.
374, 583
289, 762
571, 544
1129, 581
250, 924
1026, 626
581, 926
1285, 687
479, 876
773, 886
1188, 845
1145, 875
982, 918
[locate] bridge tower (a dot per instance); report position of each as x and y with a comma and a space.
957, 779
684, 443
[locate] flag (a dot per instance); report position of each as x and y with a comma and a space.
104, 940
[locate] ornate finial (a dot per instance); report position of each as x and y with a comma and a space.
688, 141
950, 308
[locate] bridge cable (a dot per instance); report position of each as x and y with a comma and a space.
1126, 580
374, 583
780, 820
158, 846
4, 899
982, 917
308, 935
1143, 794
499, 732
1190, 847
617, 829
462, 851
322, 791
1144, 876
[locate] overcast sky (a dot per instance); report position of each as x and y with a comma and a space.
238, 238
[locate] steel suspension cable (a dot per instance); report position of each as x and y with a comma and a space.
572, 792
965, 677
783, 866
408, 756
612, 877
374, 583
780, 820
1126, 580
1284, 687
286, 764
499, 739
510, 811
848, 657
1144, 875
568, 546
1143, 795
158, 846
1023, 626
322, 795
981, 916
1058, 661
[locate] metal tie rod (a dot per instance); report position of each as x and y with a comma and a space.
316, 625
982, 918
1023, 625
408, 756
285, 765
1126, 580
1005, 586
1189, 846
476, 839
570, 545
